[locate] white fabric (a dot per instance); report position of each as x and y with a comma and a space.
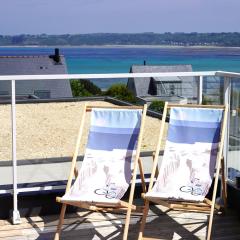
188, 164
105, 173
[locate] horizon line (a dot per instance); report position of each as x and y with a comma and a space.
95, 33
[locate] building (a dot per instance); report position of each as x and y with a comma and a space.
35, 65
174, 89
44, 144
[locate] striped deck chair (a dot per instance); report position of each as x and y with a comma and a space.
192, 155
110, 162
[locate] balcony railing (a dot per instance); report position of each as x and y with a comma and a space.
229, 93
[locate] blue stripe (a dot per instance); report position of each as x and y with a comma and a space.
182, 134
110, 141
115, 130
194, 123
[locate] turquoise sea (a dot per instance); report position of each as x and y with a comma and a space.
120, 59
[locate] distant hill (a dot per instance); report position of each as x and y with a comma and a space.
172, 39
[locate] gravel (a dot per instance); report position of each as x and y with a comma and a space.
48, 130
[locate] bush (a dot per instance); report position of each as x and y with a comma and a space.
157, 106
121, 92
84, 88
207, 101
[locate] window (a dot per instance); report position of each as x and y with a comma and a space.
169, 88
4, 93
43, 94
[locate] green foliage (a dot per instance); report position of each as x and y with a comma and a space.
84, 88
157, 106
121, 92
91, 87
228, 39
207, 101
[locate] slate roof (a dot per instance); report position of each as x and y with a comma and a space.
27, 65
144, 86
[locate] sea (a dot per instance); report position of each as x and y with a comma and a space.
120, 59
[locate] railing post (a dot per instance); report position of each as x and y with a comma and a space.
200, 89
226, 100
16, 216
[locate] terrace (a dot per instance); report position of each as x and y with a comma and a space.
37, 143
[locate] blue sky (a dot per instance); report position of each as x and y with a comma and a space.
130, 16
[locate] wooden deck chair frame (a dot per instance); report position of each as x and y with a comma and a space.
74, 172
205, 206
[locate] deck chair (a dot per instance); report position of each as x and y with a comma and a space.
110, 162
192, 155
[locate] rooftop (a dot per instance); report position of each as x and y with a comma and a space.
33, 65
164, 86
46, 130
57, 127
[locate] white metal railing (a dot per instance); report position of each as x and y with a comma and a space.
110, 75
13, 78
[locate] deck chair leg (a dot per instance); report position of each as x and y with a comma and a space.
209, 232
129, 210
143, 221
60, 223
140, 165
157, 170
218, 164
224, 186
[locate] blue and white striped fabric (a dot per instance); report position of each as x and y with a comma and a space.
106, 170
190, 154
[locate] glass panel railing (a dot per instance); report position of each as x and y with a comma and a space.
213, 90
233, 161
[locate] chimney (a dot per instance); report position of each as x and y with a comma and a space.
56, 56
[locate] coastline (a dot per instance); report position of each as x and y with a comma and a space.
123, 46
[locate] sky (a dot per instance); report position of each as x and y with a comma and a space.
118, 16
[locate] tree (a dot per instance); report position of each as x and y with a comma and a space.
121, 92
84, 88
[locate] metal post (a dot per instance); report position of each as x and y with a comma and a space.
226, 100
200, 89
16, 216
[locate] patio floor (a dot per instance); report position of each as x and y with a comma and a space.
161, 224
